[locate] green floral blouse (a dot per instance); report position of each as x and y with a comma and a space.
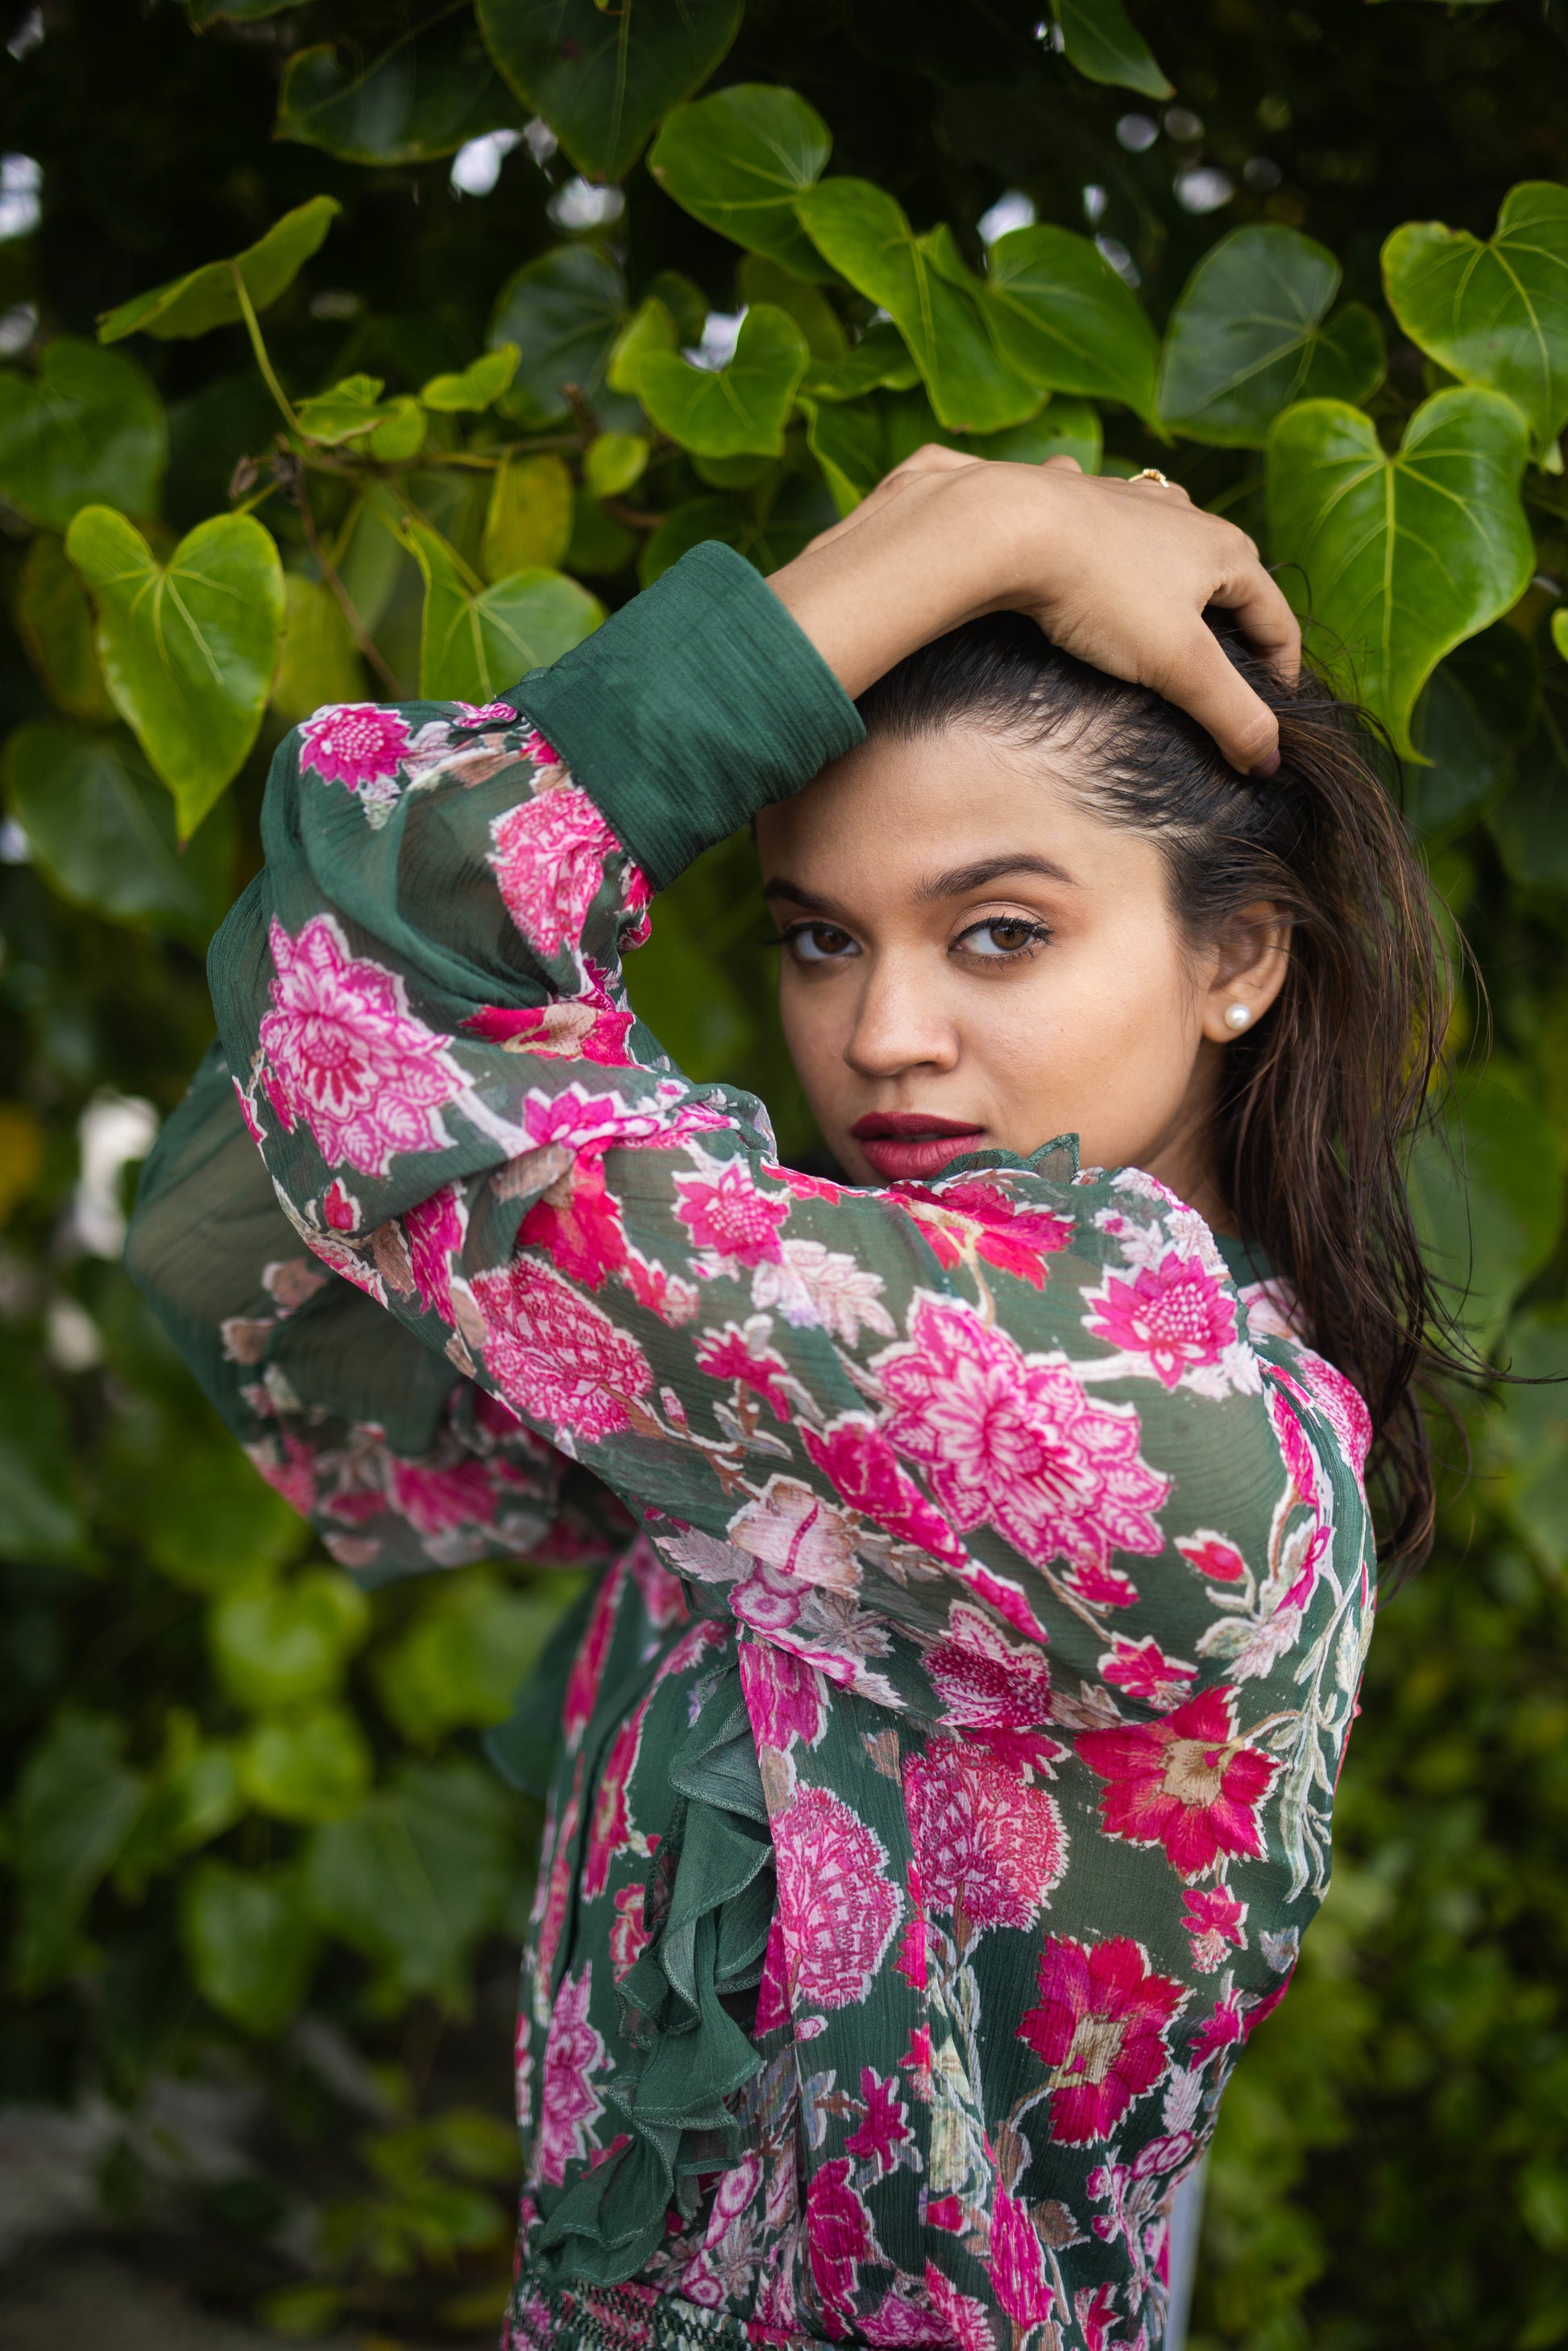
949, 1737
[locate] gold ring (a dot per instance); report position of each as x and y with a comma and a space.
1153, 473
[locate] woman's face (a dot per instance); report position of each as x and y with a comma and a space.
974, 959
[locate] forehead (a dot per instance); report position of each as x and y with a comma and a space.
883, 821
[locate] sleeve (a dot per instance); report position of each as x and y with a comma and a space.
922, 1436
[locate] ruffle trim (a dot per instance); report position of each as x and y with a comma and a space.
710, 1907
544, 2318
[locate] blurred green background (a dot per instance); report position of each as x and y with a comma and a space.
262, 1891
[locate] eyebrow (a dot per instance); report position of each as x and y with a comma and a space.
954, 884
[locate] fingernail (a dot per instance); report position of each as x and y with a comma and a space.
1269, 766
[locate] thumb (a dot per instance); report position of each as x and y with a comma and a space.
1202, 682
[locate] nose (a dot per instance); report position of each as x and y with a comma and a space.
898, 1025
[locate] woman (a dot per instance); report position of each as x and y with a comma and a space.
947, 1742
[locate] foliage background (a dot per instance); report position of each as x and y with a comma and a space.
251, 1840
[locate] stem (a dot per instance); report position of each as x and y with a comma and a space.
329, 573
253, 329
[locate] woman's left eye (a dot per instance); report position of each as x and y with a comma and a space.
1002, 937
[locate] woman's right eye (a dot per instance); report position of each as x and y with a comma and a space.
819, 943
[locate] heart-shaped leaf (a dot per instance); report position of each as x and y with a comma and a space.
762, 279
922, 284
1486, 1190
1101, 42
849, 442
603, 77
613, 462
54, 621
250, 1949
354, 411
477, 642
1064, 428
1494, 314
767, 530
1246, 338
1479, 705
482, 382
649, 328
1527, 825
1395, 559
1065, 318
208, 297
880, 359
100, 827
563, 312
422, 97
728, 412
320, 662
737, 160
528, 527
89, 429
188, 648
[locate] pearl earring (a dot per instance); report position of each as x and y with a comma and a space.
1237, 1016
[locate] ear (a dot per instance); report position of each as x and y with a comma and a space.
1247, 971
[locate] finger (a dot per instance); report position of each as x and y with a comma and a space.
1210, 689
1061, 464
1264, 618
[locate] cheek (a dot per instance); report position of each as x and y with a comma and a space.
1101, 1041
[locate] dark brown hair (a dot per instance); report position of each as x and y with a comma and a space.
1322, 1097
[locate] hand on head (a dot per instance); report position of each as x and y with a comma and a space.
1118, 573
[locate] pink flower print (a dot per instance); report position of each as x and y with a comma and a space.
548, 857
354, 743
340, 1208
884, 2127
569, 2105
629, 1937
733, 1354
733, 1216
345, 1054
1340, 1406
790, 1528
1176, 1313
534, 749
1213, 1555
784, 1696
610, 1822
773, 1993
293, 1476
861, 1466
663, 1598
1186, 1781
1144, 1671
984, 1683
487, 714
989, 1844
896, 2321
1018, 2263
839, 1907
432, 1231
967, 2322
838, 2239
973, 1215
576, 1222
1213, 1919
1224, 2029
1013, 1440
1101, 2027
554, 1889
553, 1349
559, 1031
593, 1651
435, 1500
768, 1600
1300, 1466
253, 1126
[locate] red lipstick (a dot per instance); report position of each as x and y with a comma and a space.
905, 1144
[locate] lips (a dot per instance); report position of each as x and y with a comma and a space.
905, 1144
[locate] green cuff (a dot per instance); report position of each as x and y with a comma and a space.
692, 707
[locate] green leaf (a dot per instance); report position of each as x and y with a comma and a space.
463, 1659
87, 428
613, 462
1493, 313
286, 1645
849, 443
319, 662
221, 1526
1531, 1436
188, 648
194, 1796
208, 297
482, 383
1065, 319
528, 526
764, 280
686, 303
1488, 1195
1246, 338
1397, 558
880, 359
563, 312
648, 332
741, 408
922, 284
1560, 631
55, 622
307, 1767
1064, 428
1105, 45
100, 827
601, 78
423, 96
40, 1517
1477, 706
74, 1807
251, 1946
767, 532
600, 547
416, 1877
737, 160
474, 644
1527, 824
388, 429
